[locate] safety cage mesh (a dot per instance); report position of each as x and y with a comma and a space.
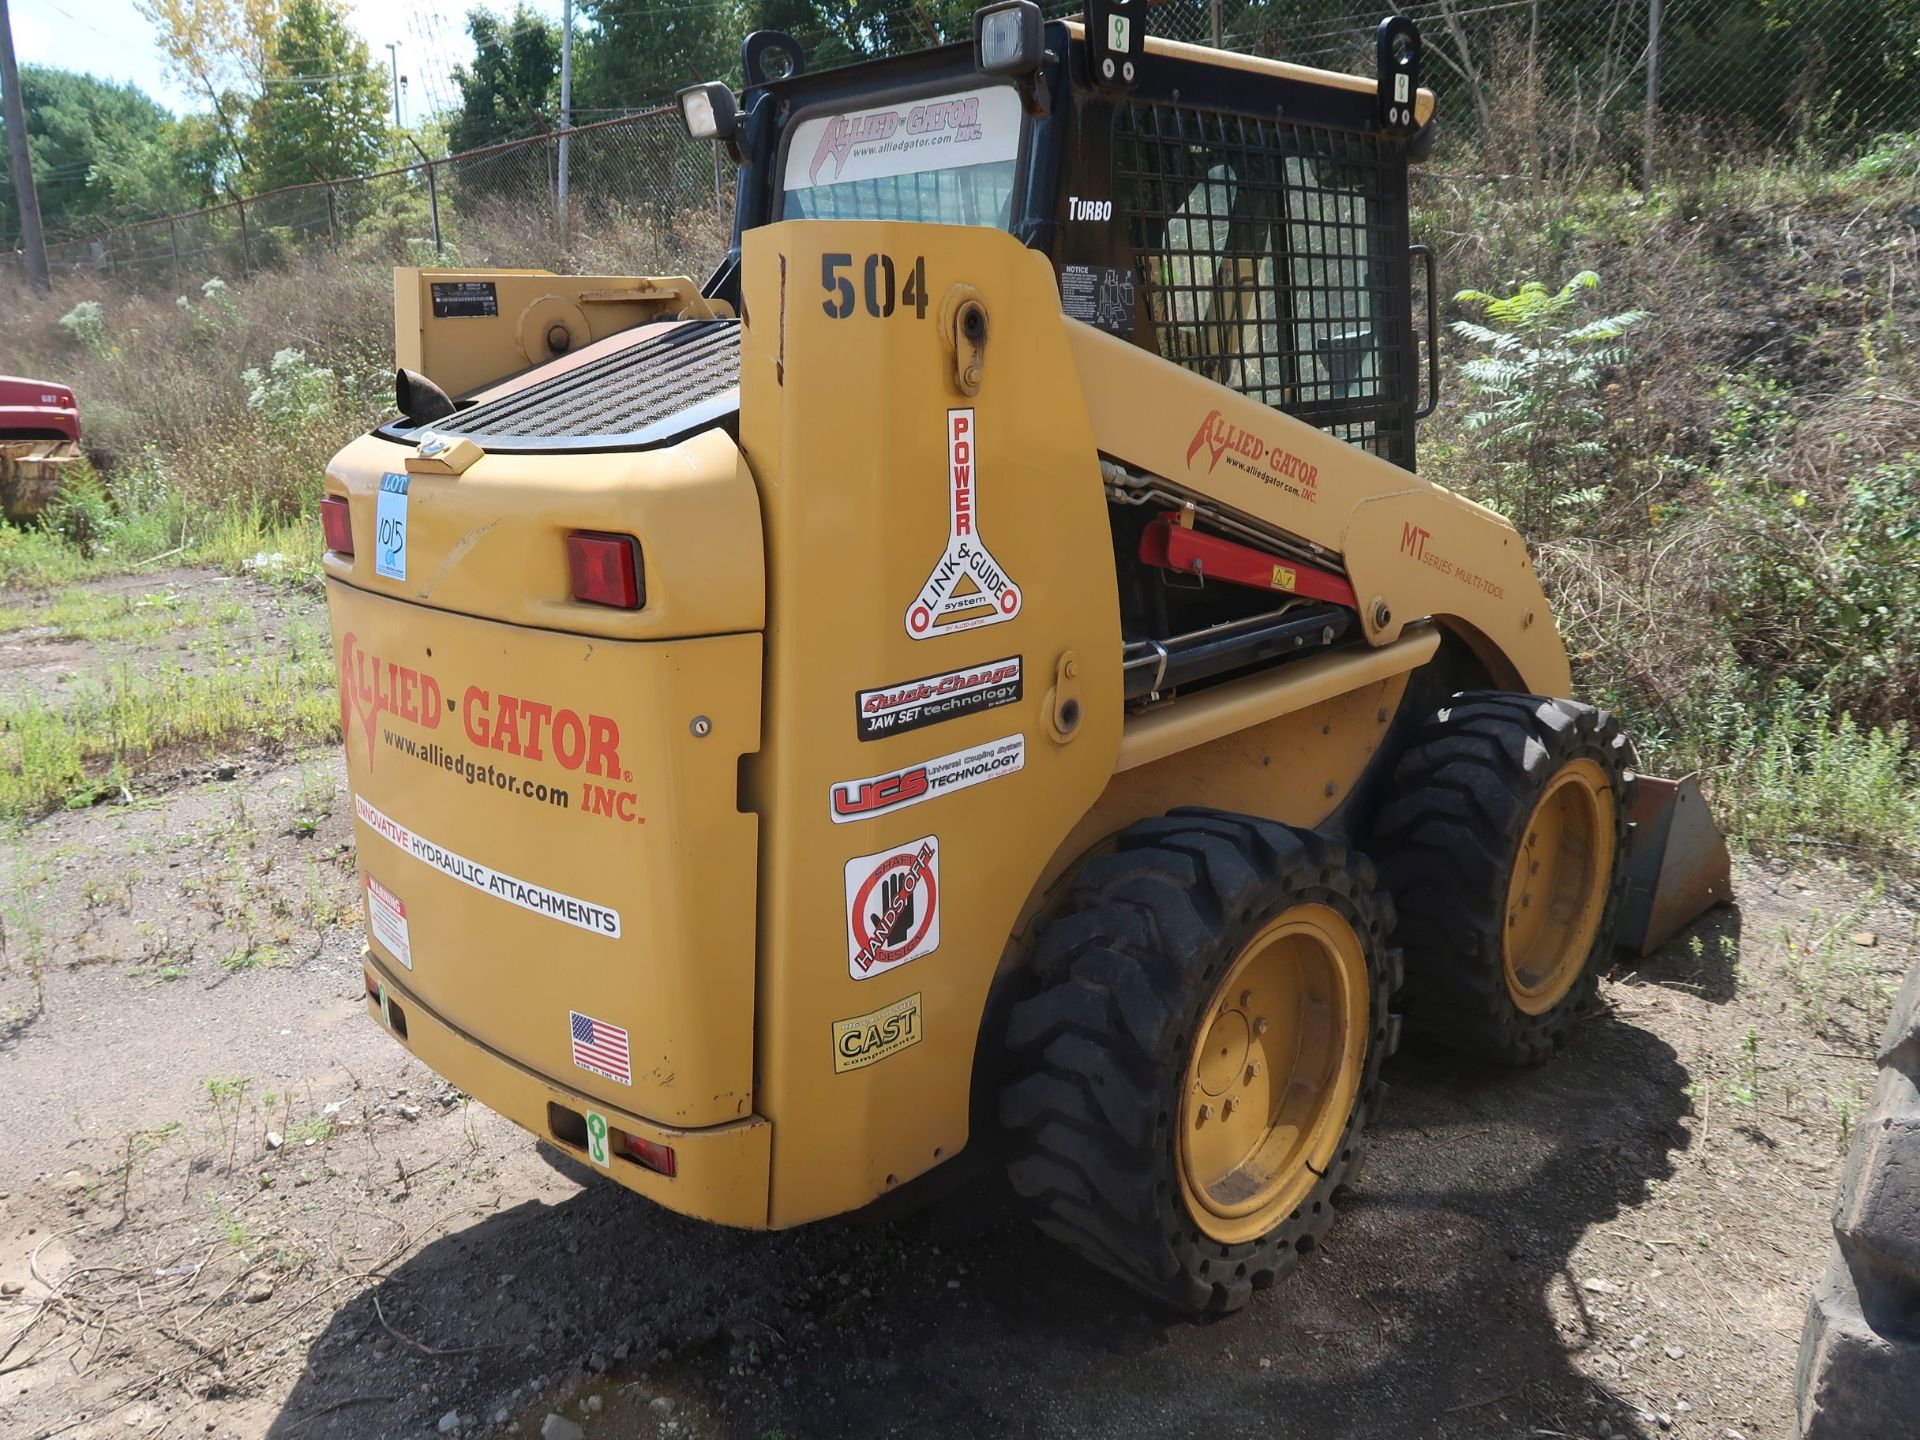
1274, 256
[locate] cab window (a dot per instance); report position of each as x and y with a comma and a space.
944, 159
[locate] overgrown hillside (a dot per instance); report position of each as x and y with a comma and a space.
1703, 410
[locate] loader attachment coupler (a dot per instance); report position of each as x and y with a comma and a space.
1677, 868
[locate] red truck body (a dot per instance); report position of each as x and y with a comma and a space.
37, 410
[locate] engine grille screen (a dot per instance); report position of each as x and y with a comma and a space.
646, 394
1274, 256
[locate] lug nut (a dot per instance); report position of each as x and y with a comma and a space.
1246, 998
1253, 1072
1233, 1103
1260, 1025
1205, 1114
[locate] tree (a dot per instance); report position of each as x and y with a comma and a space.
101, 153
636, 54
324, 113
514, 82
222, 49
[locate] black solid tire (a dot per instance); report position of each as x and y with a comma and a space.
1099, 1053
1859, 1370
1447, 839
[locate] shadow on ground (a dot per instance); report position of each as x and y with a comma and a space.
1425, 1313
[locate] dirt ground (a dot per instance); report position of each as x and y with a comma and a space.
232, 1206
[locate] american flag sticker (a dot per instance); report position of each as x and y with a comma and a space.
601, 1048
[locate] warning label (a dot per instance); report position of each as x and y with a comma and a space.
1099, 295
893, 907
387, 919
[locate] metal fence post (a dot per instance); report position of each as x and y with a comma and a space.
433, 194
333, 217
246, 250
1219, 29
1653, 97
173, 246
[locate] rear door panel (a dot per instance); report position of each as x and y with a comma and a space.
555, 844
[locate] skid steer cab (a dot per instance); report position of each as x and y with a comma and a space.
980, 673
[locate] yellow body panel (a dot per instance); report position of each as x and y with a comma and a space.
844, 422
497, 322
491, 541
1388, 525
559, 841
720, 1172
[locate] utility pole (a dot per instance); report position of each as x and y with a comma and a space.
393, 63
566, 109
32, 240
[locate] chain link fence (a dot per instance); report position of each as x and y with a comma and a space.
1546, 93
639, 169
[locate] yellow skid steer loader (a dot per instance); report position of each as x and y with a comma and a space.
980, 673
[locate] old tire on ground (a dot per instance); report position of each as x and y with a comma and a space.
1501, 844
1207, 958
1859, 1371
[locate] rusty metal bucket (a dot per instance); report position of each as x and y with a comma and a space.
31, 474
1677, 864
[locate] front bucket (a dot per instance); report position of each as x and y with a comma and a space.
1677, 867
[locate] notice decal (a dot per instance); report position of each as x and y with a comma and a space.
968, 588
893, 907
387, 919
851, 800
390, 528
581, 914
933, 698
860, 1040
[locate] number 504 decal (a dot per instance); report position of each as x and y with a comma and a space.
880, 285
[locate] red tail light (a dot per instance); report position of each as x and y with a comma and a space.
605, 569
337, 524
651, 1154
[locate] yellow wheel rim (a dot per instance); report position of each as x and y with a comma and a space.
1558, 891
1273, 1074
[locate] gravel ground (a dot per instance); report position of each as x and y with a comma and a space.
231, 1206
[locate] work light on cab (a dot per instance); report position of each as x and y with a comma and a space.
709, 111
1007, 38
605, 570
336, 524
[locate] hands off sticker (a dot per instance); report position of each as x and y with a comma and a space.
893, 907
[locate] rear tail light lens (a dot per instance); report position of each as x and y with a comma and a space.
605, 569
337, 524
650, 1153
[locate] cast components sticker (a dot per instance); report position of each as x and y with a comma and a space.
893, 907
390, 528
387, 918
860, 1040
933, 698
967, 588
567, 909
851, 800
